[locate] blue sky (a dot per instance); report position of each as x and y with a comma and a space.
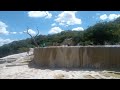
13, 24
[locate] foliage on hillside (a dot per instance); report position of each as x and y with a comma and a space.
101, 33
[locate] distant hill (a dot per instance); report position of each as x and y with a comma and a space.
102, 33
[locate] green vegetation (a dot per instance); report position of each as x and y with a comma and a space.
102, 33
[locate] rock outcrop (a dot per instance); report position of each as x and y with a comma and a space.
77, 57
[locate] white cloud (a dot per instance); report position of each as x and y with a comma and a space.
13, 32
49, 15
109, 17
32, 32
78, 29
103, 17
5, 41
62, 24
37, 14
54, 24
113, 16
55, 30
24, 32
3, 27
68, 18
20, 32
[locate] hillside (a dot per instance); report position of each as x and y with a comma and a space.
102, 33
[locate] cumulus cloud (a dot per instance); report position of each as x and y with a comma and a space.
109, 17
78, 29
68, 18
55, 30
13, 32
103, 17
3, 29
62, 24
39, 14
32, 32
54, 24
113, 16
48, 15
5, 41
20, 32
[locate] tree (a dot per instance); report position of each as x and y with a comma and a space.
33, 37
